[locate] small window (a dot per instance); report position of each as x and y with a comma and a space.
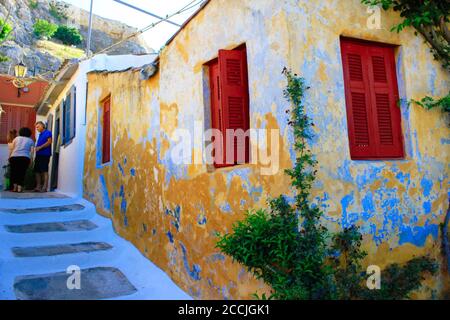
106, 130
230, 106
373, 114
69, 116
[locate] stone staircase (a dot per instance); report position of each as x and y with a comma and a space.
44, 238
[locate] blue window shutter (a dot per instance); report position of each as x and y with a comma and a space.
73, 113
63, 131
67, 112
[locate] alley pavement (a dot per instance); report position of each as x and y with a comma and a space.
53, 247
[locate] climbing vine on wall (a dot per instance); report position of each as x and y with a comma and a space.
288, 247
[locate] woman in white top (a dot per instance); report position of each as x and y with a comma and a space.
20, 157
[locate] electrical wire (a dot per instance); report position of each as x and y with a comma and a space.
187, 7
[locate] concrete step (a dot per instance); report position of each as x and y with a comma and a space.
95, 283
16, 266
48, 233
62, 208
76, 225
55, 250
16, 216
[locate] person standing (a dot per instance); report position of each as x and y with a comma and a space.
42, 159
22, 147
12, 134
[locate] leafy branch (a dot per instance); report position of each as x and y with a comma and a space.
430, 18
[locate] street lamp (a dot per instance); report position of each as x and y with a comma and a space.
20, 70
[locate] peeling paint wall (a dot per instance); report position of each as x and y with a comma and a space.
71, 157
172, 212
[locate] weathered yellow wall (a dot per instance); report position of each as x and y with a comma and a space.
172, 212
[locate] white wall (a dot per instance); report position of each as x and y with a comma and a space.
71, 158
3, 161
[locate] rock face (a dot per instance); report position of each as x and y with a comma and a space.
24, 14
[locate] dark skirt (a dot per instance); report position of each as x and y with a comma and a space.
19, 166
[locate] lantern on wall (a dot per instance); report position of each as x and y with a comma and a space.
20, 70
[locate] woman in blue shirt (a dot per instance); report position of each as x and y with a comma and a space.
43, 154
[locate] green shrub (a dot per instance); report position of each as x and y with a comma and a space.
30, 178
33, 4
44, 29
68, 35
5, 30
289, 249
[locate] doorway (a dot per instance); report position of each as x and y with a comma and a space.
56, 146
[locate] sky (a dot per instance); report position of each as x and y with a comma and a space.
155, 37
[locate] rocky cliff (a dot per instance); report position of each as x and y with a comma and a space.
23, 45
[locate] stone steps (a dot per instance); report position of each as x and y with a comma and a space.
76, 225
98, 283
40, 240
60, 249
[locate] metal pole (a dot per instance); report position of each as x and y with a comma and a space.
88, 47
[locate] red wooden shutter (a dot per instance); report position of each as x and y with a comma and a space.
386, 112
216, 112
4, 124
371, 96
106, 136
234, 100
16, 117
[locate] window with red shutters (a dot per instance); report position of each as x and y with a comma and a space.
16, 117
230, 106
106, 131
373, 115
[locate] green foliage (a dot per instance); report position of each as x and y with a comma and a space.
5, 30
430, 103
44, 29
58, 10
429, 17
346, 261
399, 281
5, 33
33, 4
287, 246
68, 35
30, 178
